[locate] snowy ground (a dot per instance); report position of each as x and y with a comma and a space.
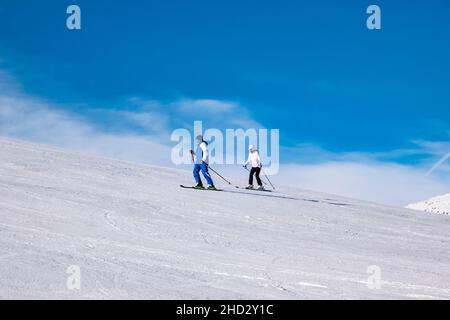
135, 234
440, 204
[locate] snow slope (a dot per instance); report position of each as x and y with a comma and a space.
440, 204
135, 234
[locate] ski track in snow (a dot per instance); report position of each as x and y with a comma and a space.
135, 234
110, 222
314, 285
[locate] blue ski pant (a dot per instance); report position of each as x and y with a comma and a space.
204, 169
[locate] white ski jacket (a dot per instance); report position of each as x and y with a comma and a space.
201, 153
253, 159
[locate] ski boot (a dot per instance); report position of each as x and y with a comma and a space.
211, 187
260, 188
250, 186
199, 186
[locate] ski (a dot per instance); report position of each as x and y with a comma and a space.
263, 190
204, 189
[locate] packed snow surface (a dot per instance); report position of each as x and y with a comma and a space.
440, 204
134, 233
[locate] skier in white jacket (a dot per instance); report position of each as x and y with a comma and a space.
255, 161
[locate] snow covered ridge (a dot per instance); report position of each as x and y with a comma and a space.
81, 227
440, 204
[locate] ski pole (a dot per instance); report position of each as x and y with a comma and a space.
268, 180
219, 175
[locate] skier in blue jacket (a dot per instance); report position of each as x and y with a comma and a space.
200, 159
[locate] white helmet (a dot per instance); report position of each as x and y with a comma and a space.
251, 147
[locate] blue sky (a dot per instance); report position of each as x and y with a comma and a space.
310, 68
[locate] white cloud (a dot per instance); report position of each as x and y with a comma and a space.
218, 114
387, 183
34, 120
206, 105
375, 176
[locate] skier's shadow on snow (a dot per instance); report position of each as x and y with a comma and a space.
287, 197
338, 204
270, 195
262, 195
